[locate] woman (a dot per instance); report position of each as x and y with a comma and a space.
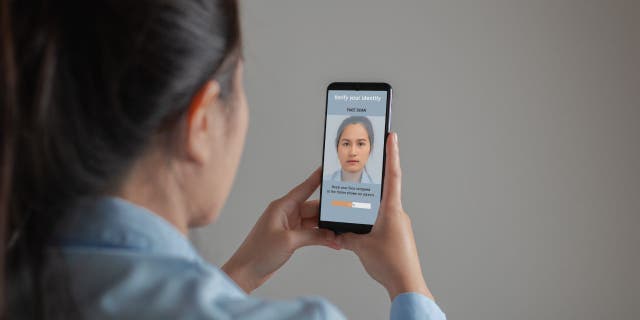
123, 127
354, 141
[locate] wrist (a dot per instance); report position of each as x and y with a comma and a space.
417, 285
240, 275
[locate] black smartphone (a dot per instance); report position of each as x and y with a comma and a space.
357, 122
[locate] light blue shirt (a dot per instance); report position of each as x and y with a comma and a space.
118, 260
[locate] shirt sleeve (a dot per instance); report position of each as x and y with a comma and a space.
216, 296
411, 305
119, 286
313, 308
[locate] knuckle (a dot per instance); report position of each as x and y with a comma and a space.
392, 207
395, 174
398, 171
273, 204
407, 218
283, 200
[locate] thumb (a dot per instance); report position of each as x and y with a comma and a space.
350, 241
313, 237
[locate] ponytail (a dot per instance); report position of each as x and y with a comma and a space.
7, 131
81, 97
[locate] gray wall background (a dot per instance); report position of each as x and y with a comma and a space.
519, 127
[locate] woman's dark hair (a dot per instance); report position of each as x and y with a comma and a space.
85, 87
364, 121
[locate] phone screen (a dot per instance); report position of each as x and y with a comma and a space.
356, 126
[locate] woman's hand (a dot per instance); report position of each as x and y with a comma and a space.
287, 224
388, 252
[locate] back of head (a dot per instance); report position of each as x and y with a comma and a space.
86, 87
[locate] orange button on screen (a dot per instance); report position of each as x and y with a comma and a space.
339, 203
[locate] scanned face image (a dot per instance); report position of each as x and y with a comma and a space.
354, 146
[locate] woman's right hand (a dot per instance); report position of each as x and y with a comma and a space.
388, 252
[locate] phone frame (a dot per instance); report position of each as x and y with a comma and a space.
342, 227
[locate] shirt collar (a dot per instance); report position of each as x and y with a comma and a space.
114, 223
365, 178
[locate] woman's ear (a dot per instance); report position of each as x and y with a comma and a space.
199, 122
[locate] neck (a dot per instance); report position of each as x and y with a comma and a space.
150, 184
351, 176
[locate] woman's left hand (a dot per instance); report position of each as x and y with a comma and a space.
287, 224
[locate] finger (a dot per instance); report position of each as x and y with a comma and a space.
350, 241
304, 190
310, 209
391, 196
314, 237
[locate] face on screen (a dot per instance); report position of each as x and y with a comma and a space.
352, 165
354, 147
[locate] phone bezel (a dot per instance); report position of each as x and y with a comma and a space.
341, 227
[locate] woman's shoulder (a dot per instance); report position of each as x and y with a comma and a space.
120, 284
335, 176
366, 178
128, 281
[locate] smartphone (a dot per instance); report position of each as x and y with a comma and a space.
357, 122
